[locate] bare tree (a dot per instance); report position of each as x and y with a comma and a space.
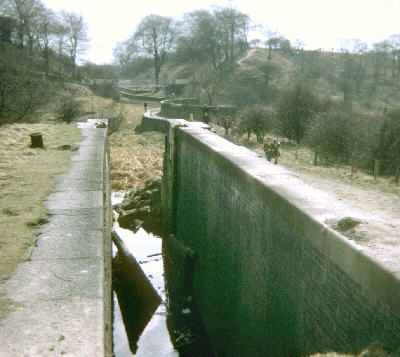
22, 89
46, 36
233, 27
210, 81
60, 33
155, 36
25, 13
76, 35
124, 52
295, 108
272, 39
200, 41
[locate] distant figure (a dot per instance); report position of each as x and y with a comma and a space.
275, 147
206, 117
269, 149
191, 117
145, 105
227, 124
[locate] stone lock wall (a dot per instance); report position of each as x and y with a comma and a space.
271, 277
182, 108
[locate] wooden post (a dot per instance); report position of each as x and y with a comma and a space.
36, 140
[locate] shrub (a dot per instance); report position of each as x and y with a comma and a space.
259, 121
23, 89
296, 106
333, 135
69, 109
106, 90
388, 145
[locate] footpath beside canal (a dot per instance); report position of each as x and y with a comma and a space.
63, 291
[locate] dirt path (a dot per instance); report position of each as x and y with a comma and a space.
248, 55
380, 197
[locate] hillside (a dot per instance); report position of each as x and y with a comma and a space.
369, 82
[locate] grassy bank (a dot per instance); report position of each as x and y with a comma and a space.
135, 158
26, 179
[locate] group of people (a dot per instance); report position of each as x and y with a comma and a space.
271, 149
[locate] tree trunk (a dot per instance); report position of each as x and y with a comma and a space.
2, 105
73, 66
156, 69
385, 71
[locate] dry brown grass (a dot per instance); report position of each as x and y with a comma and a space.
135, 158
26, 179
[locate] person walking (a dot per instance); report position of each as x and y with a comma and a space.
145, 105
206, 117
269, 149
275, 148
227, 124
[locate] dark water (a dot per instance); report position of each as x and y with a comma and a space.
140, 326
146, 317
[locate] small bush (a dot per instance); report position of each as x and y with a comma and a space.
69, 110
295, 108
259, 121
106, 90
333, 135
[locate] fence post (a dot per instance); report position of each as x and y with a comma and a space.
352, 164
316, 156
376, 168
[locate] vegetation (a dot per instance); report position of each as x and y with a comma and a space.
69, 109
26, 179
331, 101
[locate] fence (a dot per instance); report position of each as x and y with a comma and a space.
370, 165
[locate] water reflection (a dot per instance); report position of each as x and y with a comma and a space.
135, 309
142, 324
143, 317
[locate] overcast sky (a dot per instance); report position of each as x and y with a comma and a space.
318, 23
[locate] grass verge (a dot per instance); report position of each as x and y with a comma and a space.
26, 179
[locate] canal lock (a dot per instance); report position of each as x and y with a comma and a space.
152, 316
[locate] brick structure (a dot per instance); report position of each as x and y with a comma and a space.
272, 278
